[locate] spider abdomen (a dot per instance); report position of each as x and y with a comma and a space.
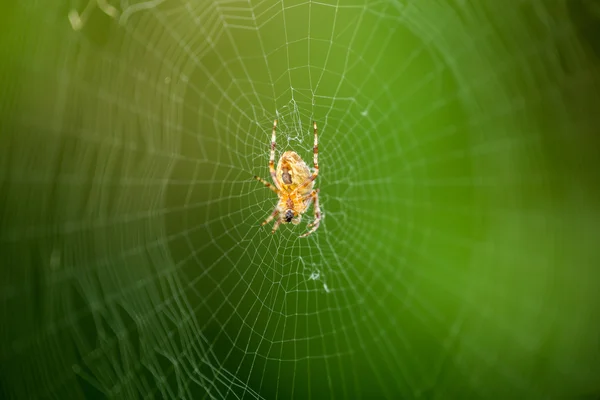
292, 171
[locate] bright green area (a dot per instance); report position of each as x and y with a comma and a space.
459, 180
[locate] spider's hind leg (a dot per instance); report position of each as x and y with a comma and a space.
272, 157
267, 184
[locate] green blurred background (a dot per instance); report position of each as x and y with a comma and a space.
459, 157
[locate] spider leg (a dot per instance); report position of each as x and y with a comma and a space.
267, 184
315, 161
315, 196
315, 224
272, 158
270, 217
276, 225
316, 151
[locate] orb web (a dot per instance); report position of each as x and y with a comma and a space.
443, 266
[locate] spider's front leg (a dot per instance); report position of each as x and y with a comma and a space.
270, 218
276, 225
314, 195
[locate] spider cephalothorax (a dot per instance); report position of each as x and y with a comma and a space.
293, 184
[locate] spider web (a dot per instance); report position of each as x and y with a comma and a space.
455, 257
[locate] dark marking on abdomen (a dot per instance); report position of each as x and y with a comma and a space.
286, 177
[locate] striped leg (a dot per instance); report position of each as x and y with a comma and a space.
315, 224
315, 152
270, 217
267, 184
276, 225
272, 159
315, 161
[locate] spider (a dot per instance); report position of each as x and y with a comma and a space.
293, 184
